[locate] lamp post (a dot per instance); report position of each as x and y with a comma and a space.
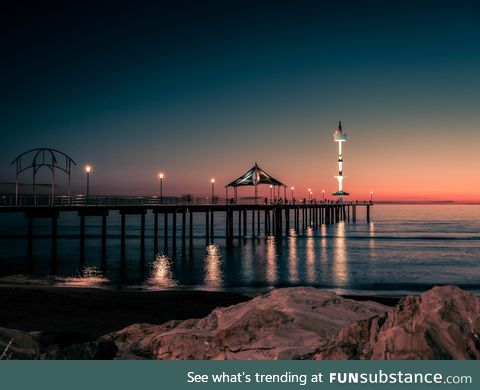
213, 188
88, 169
323, 196
271, 190
309, 194
291, 193
160, 176
371, 196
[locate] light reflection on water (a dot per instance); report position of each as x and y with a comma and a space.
310, 256
87, 277
292, 259
161, 273
425, 245
340, 260
271, 260
213, 270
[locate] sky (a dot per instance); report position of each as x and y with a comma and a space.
201, 90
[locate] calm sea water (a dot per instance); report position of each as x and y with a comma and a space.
406, 248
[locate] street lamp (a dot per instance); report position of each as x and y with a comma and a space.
88, 169
213, 188
371, 196
160, 176
271, 190
309, 194
323, 195
291, 191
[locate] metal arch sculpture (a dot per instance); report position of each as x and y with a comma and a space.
42, 157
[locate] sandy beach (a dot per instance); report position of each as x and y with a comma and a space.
68, 315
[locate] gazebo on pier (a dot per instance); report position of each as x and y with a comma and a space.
253, 177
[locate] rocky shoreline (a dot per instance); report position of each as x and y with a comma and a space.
287, 323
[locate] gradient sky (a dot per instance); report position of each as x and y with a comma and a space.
201, 89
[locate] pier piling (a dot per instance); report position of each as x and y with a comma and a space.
278, 219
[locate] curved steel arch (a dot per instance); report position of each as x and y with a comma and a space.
42, 157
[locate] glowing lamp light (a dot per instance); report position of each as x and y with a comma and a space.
88, 168
160, 175
212, 181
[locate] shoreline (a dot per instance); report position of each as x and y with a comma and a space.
69, 315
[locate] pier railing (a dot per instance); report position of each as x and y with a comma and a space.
106, 200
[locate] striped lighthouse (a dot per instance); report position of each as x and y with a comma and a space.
340, 137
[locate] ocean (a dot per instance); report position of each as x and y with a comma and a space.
404, 249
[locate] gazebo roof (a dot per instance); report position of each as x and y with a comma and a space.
254, 176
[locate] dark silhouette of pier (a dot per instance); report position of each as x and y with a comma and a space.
245, 217
241, 220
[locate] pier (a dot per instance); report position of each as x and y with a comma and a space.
241, 220
275, 215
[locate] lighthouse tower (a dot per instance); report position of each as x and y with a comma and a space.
340, 137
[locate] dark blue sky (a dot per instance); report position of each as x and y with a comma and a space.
199, 89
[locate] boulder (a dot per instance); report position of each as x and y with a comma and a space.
442, 323
91, 350
286, 323
16, 344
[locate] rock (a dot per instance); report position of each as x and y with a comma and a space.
285, 324
289, 323
91, 350
22, 346
442, 323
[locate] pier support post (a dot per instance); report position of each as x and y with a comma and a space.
265, 222
278, 221
227, 224
269, 222
82, 240
142, 236
211, 226
258, 222
207, 227
230, 226
30, 246
165, 232
122, 244
368, 213
104, 242
244, 222
54, 244
155, 232
184, 229
287, 220
174, 231
239, 223
253, 223
190, 226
